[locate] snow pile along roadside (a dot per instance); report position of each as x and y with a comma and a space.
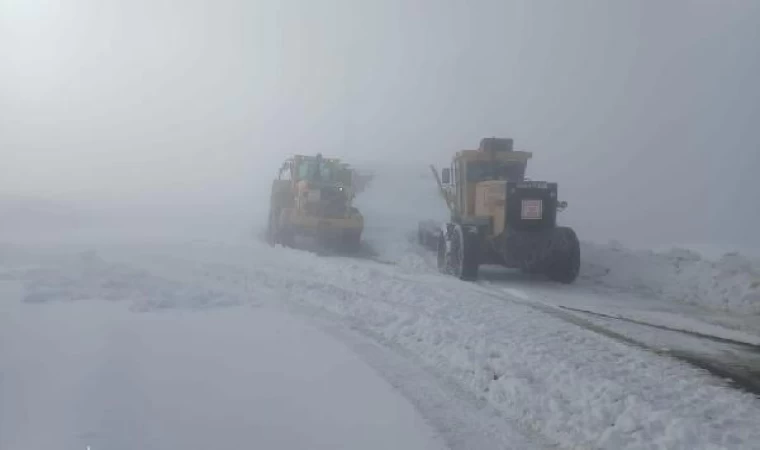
729, 283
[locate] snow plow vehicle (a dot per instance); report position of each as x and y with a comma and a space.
499, 217
312, 196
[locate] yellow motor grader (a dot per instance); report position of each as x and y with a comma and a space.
312, 196
499, 217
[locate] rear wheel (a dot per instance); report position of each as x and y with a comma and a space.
272, 229
565, 263
286, 237
276, 233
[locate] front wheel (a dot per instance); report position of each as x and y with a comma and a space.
459, 252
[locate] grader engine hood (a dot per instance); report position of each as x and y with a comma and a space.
523, 206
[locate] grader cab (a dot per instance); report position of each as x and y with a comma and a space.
312, 196
499, 217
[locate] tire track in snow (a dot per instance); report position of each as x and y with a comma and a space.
736, 362
739, 363
747, 345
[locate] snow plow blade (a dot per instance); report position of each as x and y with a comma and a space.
428, 233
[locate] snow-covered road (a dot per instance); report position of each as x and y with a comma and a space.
90, 373
482, 370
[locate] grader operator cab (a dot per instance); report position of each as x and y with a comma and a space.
499, 217
312, 196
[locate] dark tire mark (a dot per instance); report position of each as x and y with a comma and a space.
747, 345
739, 375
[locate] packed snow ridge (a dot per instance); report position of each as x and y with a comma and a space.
729, 283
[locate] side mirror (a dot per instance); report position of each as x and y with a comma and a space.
446, 175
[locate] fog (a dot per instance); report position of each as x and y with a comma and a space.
646, 113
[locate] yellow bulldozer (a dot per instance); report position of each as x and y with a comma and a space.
499, 217
313, 196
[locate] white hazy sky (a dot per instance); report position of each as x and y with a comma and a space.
646, 112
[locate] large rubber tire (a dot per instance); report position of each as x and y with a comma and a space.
276, 234
426, 239
459, 253
565, 263
442, 258
286, 238
272, 229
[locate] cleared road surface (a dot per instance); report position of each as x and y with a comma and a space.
79, 374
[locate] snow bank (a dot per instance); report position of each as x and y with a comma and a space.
729, 283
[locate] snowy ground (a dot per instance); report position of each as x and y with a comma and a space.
88, 374
522, 375
276, 347
728, 282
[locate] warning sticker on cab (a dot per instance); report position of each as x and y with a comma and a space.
532, 209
